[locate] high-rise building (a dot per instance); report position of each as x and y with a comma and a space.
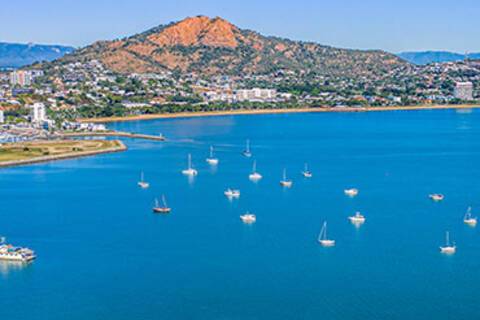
39, 113
464, 91
2, 116
21, 77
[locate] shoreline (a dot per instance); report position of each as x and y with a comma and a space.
272, 111
70, 155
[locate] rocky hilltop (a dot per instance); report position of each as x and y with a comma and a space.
215, 46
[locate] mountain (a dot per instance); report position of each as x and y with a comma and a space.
426, 57
18, 55
213, 46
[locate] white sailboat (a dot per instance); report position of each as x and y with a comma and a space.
255, 176
285, 182
448, 248
232, 193
323, 239
247, 153
190, 171
211, 160
469, 219
351, 192
142, 183
248, 218
357, 219
307, 173
437, 197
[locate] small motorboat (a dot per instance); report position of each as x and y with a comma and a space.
351, 192
437, 197
161, 208
231, 193
248, 218
448, 248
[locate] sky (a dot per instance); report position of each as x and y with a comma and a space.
395, 26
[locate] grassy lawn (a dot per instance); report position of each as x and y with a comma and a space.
35, 149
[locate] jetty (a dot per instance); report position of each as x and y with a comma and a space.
66, 135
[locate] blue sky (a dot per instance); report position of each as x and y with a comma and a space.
394, 26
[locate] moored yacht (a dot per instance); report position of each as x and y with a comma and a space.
351, 192
231, 193
436, 197
11, 253
247, 153
248, 218
307, 173
211, 160
358, 218
255, 176
448, 248
285, 182
323, 239
163, 208
469, 219
190, 171
142, 183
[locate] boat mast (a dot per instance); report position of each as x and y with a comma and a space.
248, 146
211, 151
189, 161
448, 239
254, 166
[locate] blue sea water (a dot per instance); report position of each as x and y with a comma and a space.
102, 254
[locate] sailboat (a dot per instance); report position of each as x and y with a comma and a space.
142, 183
437, 197
469, 219
232, 193
448, 248
307, 173
161, 208
247, 153
285, 182
255, 176
322, 237
211, 160
190, 171
351, 192
357, 219
248, 218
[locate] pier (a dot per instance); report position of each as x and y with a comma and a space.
112, 134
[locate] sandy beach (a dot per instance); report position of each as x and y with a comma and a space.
273, 111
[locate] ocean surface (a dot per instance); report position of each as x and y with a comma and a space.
102, 254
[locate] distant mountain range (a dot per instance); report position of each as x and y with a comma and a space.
426, 57
14, 55
214, 46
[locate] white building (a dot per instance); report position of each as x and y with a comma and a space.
2, 116
464, 91
256, 94
39, 113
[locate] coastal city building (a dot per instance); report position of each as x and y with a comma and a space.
24, 78
2, 116
464, 91
21, 78
39, 113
